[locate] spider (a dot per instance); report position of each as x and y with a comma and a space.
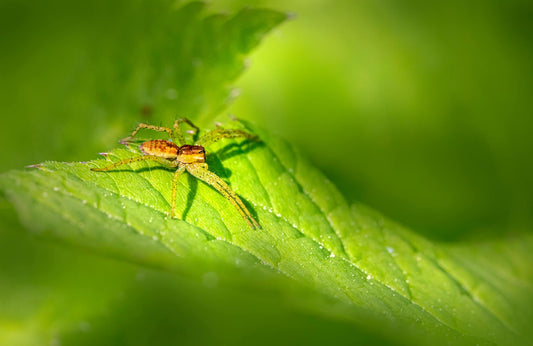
186, 157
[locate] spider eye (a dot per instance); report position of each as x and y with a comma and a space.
201, 151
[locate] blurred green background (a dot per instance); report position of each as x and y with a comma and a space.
427, 106
418, 109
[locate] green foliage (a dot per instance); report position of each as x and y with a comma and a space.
309, 233
95, 71
321, 269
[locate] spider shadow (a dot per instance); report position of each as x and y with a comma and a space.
193, 187
227, 152
216, 159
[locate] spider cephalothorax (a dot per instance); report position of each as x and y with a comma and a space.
186, 157
191, 154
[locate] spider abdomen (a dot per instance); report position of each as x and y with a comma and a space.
161, 148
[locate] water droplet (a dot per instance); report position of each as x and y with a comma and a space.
210, 279
141, 275
332, 255
235, 92
196, 62
171, 94
84, 326
389, 249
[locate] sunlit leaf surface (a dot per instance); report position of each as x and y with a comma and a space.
309, 233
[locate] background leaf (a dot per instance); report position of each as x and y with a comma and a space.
91, 83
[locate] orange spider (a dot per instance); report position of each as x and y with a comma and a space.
186, 157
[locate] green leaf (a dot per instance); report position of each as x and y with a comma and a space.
98, 69
94, 72
309, 233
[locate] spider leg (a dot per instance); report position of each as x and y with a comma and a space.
174, 187
177, 129
135, 159
220, 133
149, 127
199, 170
